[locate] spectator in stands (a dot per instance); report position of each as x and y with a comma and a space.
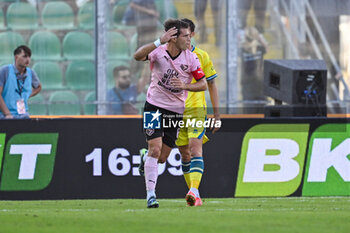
328, 16
143, 14
252, 54
200, 7
259, 13
17, 84
123, 96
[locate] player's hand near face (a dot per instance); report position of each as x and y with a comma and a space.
142, 52
168, 35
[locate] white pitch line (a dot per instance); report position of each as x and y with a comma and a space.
48, 210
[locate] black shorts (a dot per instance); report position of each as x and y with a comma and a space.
168, 132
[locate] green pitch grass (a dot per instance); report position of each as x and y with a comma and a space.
330, 214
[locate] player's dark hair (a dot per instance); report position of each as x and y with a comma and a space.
24, 48
170, 23
117, 69
190, 23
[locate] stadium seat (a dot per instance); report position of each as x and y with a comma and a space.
6, 62
118, 47
2, 21
21, 16
118, 12
80, 75
45, 46
50, 75
37, 105
64, 103
110, 67
86, 16
57, 16
78, 46
90, 107
9, 41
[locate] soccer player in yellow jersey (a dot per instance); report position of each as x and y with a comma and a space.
190, 138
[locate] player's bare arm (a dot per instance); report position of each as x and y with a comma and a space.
143, 51
214, 97
200, 85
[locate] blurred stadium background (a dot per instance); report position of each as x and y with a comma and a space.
77, 43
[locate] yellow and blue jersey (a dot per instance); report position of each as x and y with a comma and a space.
195, 105
197, 99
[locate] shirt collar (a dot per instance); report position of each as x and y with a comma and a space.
18, 73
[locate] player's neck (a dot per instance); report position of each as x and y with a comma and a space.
173, 50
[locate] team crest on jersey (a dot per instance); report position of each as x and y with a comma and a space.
184, 67
149, 132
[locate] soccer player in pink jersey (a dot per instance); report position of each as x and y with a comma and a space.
173, 66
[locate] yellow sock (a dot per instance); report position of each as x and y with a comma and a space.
196, 178
187, 177
186, 171
196, 171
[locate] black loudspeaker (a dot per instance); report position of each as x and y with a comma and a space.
301, 82
295, 111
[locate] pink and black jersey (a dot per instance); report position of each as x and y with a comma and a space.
164, 67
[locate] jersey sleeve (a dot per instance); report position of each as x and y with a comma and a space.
152, 55
196, 69
208, 68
